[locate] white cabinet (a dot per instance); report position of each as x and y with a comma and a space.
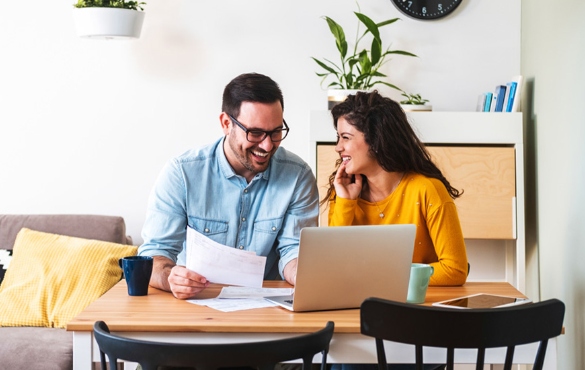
481, 153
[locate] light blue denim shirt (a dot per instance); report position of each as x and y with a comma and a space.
200, 189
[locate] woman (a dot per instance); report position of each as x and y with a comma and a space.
386, 176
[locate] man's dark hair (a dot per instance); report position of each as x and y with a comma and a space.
251, 87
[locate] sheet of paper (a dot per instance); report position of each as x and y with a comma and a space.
231, 305
233, 292
222, 264
233, 298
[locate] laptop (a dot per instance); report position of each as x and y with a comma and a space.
340, 266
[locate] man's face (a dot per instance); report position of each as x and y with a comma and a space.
247, 158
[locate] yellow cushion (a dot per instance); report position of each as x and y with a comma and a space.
52, 278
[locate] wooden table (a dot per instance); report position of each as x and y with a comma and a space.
161, 317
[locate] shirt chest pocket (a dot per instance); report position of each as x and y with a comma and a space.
265, 233
213, 229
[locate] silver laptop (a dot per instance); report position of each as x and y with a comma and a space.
340, 266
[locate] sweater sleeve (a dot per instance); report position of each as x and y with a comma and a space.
445, 232
342, 211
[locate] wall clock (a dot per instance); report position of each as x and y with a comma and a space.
426, 9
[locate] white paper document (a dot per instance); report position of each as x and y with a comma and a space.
221, 264
234, 292
231, 305
241, 298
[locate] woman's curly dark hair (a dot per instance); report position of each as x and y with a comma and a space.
391, 139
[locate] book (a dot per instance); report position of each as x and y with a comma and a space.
499, 96
508, 103
488, 102
480, 103
517, 96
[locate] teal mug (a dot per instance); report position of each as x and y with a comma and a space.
420, 274
137, 271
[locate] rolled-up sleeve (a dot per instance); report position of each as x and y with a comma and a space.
165, 225
303, 211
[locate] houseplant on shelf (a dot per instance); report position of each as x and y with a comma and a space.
108, 19
414, 102
360, 68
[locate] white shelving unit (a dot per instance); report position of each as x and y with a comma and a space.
494, 259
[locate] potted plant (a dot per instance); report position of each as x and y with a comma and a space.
414, 102
358, 69
108, 19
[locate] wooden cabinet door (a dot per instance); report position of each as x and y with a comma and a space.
485, 174
326, 157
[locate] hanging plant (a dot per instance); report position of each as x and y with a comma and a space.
123, 4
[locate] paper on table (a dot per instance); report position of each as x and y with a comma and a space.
241, 298
232, 292
222, 264
231, 305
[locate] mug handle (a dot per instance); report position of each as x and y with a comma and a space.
120, 263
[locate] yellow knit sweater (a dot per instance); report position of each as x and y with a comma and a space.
426, 203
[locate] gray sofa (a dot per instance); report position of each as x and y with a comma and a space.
49, 348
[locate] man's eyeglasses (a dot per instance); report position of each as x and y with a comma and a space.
258, 136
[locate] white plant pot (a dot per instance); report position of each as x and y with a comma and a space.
416, 107
108, 23
336, 96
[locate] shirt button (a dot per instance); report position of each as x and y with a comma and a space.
245, 190
206, 230
243, 218
273, 228
241, 247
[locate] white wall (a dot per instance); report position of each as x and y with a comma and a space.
86, 125
553, 51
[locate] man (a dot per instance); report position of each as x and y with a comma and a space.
242, 191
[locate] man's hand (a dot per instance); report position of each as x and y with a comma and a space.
186, 283
290, 272
180, 281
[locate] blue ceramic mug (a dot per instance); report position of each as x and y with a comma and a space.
137, 271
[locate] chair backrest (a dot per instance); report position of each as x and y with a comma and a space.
261, 355
425, 326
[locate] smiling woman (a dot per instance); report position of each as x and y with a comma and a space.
386, 176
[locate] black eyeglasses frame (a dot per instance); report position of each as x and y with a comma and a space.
283, 131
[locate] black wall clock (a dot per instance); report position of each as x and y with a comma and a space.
426, 9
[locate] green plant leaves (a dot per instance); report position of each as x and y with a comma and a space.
359, 70
123, 4
370, 25
339, 35
414, 99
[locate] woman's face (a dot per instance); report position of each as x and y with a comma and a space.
352, 147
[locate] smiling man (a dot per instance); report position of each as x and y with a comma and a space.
244, 191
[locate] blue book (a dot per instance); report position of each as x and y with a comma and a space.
488, 102
499, 95
510, 102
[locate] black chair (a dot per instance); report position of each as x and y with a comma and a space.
451, 328
261, 355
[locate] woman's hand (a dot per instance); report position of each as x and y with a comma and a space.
347, 186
